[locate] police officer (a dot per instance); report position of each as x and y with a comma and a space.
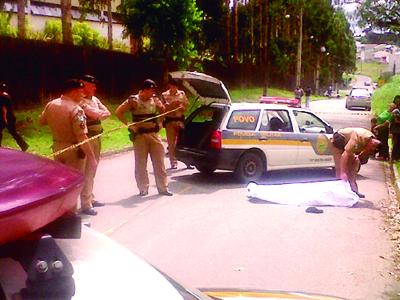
351, 147
95, 112
67, 123
174, 99
7, 118
145, 137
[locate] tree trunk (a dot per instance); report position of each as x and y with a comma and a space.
66, 21
317, 88
110, 20
228, 31
299, 49
236, 31
260, 55
21, 19
265, 56
252, 28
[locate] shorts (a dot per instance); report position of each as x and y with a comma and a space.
338, 140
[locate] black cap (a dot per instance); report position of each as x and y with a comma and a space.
149, 84
90, 79
72, 84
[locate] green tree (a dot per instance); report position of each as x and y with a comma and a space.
53, 31
169, 26
381, 15
5, 25
84, 35
209, 43
97, 6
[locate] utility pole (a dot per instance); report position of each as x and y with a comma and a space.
299, 48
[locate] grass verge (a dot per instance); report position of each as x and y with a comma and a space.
370, 69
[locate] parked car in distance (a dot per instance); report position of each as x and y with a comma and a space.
359, 98
291, 102
249, 138
367, 83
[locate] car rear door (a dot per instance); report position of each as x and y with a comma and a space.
277, 138
314, 137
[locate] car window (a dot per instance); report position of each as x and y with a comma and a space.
276, 120
309, 123
243, 119
204, 115
359, 92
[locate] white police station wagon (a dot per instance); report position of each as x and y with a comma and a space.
248, 138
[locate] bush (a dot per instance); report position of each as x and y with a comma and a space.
84, 35
5, 25
53, 31
385, 94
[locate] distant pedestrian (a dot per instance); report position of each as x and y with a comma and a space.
308, 93
298, 93
67, 123
145, 137
7, 118
95, 112
173, 122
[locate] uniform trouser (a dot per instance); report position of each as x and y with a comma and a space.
396, 146
383, 136
145, 144
13, 131
87, 195
172, 129
72, 159
307, 101
352, 168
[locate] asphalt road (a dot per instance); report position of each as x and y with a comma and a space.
210, 235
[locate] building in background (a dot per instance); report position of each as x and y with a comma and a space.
39, 12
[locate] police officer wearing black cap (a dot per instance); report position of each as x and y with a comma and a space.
95, 112
145, 136
7, 118
67, 123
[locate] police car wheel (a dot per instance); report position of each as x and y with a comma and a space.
249, 168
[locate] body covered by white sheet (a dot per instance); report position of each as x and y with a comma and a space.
325, 193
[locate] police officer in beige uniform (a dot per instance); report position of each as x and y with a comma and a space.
173, 122
67, 123
145, 137
351, 147
95, 112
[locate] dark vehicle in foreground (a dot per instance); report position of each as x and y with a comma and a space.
248, 138
67, 260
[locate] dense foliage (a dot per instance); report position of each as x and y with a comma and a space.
380, 14
169, 26
277, 35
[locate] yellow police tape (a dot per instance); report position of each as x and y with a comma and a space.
74, 146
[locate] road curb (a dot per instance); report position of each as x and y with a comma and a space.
395, 176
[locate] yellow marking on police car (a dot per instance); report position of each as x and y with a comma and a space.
264, 295
322, 144
264, 142
244, 119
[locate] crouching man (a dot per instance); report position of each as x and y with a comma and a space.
351, 147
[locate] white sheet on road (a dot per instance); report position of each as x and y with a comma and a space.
325, 193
